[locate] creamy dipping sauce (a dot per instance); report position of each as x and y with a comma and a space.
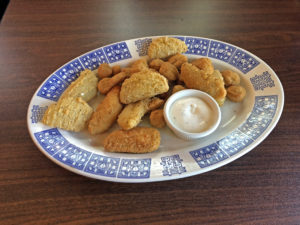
192, 114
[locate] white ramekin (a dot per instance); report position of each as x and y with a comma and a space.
192, 93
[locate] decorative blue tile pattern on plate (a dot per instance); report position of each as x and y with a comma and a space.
37, 113
221, 51
52, 88
142, 45
51, 140
234, 142
243, 61
197, 46
93, 59
73, 156
117, 52
208, 155
261, 116
102, 165
172, 165
70, 72
260, 82
134, 168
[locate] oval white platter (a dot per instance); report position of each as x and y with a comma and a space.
243, 125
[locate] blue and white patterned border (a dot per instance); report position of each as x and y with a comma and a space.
260, 118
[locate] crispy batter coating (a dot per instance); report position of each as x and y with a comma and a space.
165, 46
177, 88
236, 93
230, 77
140, 64
212, 84
68, 113
136, 140
132, 114
157, 118
106, 113
177, 60
155, 64
104, 70
169, 71
136, 66
116, 69
108, 83
142, 85
85, 86
204, 64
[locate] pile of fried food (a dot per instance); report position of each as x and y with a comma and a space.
134, 91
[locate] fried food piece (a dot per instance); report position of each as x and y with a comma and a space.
104, 70
230, 78
177, 60
107, 83
204, 64
157, 118
129, 71
116, 69
140, 64
155, 64
106, 113
68, 113
136, 66
177, 88
142, 85
236, 93
169, 71
136, 140
132, 114
212, 84
155, 103
165, 46
85, 86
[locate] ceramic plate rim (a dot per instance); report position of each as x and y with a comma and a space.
263, 135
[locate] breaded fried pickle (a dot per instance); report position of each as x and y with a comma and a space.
142, 85
85, 86
132, 114
136, 140
68, 114
166, 46
106, 113
212, 84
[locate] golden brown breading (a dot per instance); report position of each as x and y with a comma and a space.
142, 85
68, 113
177, 88
132, 114
212, 84
108, 83
155, 103
155, 64
85, 86
136, 140
116, 69
236, 93
106, 113
177, 60
230, 77
165, 46
157, 118
169, 71
104, 70
136, 66
204, 64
